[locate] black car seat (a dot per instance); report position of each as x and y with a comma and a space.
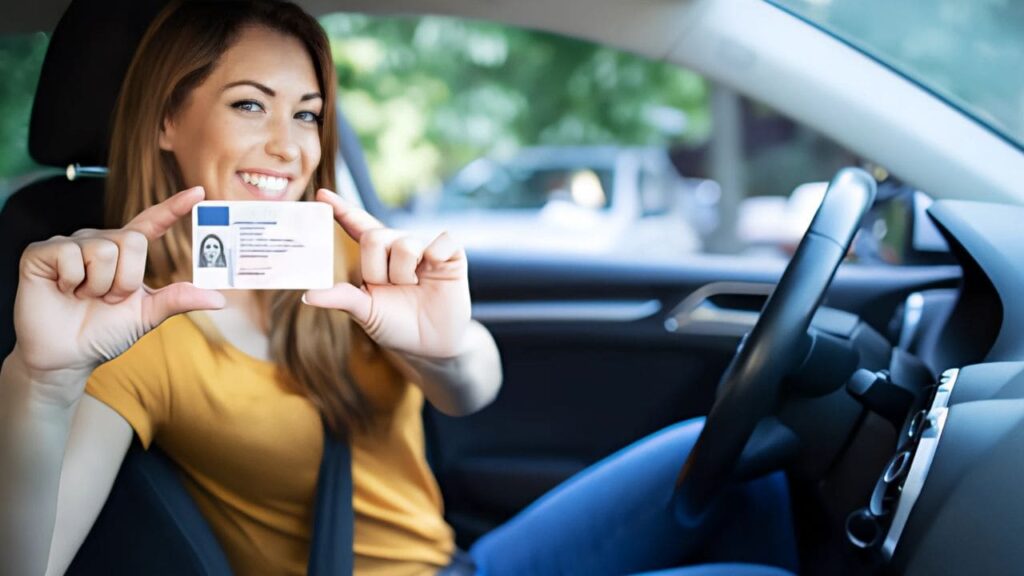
149, 524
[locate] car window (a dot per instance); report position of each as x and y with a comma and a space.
967, 53
518, 140
21, 59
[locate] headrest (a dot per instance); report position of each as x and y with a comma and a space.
86, 61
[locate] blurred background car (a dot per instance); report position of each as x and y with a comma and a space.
595, 200
768, 224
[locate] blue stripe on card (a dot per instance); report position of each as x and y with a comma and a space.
213, 215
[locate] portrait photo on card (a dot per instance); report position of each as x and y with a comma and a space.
211, 252
213, 247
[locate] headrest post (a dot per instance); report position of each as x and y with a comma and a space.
78, 171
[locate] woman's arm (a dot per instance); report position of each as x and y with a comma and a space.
34, 427
80, 302
59, 455
462, 384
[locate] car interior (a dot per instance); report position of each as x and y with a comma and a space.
893, 396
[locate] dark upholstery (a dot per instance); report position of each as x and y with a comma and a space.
330, 553
149, 524
36, 212
87, 58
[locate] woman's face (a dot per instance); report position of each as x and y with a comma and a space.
250, 131
211, 250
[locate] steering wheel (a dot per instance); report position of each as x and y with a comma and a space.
751, 387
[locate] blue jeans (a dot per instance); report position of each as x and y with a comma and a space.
616, 517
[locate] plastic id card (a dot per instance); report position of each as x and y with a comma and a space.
262, 245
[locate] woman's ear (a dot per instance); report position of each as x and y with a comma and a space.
167, 134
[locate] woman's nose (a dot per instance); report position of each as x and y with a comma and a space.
281, 142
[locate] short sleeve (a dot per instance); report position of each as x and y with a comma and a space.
347, 267
136, 386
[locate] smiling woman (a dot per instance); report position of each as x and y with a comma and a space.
219, 89
232, 101
235, 95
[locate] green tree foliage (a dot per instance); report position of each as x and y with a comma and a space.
427, 95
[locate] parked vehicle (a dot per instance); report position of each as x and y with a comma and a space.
574, 200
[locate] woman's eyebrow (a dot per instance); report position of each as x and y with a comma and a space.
262, 88
267, 90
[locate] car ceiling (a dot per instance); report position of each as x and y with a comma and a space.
756, 49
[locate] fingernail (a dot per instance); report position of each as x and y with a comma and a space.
304, 301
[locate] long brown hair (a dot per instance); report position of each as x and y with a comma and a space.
178, 52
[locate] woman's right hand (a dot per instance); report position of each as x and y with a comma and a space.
81, 300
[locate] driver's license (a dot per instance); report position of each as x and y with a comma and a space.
262, 245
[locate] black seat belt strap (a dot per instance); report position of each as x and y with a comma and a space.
333, 523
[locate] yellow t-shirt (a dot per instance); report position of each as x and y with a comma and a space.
250, 451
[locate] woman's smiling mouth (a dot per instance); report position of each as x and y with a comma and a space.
263, 185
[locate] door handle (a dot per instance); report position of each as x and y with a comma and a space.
720, 309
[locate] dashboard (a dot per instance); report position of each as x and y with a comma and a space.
951, 498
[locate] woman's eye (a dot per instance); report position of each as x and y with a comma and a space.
309, 117
248, 106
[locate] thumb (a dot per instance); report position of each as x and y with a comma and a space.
159, 305
342, 296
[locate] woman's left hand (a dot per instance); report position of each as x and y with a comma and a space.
415, 295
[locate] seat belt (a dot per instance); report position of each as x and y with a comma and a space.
330, 552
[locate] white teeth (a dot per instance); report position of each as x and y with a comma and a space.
264, 182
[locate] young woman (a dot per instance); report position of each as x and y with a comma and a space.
235, 101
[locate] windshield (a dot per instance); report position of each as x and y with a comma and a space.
967, 52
